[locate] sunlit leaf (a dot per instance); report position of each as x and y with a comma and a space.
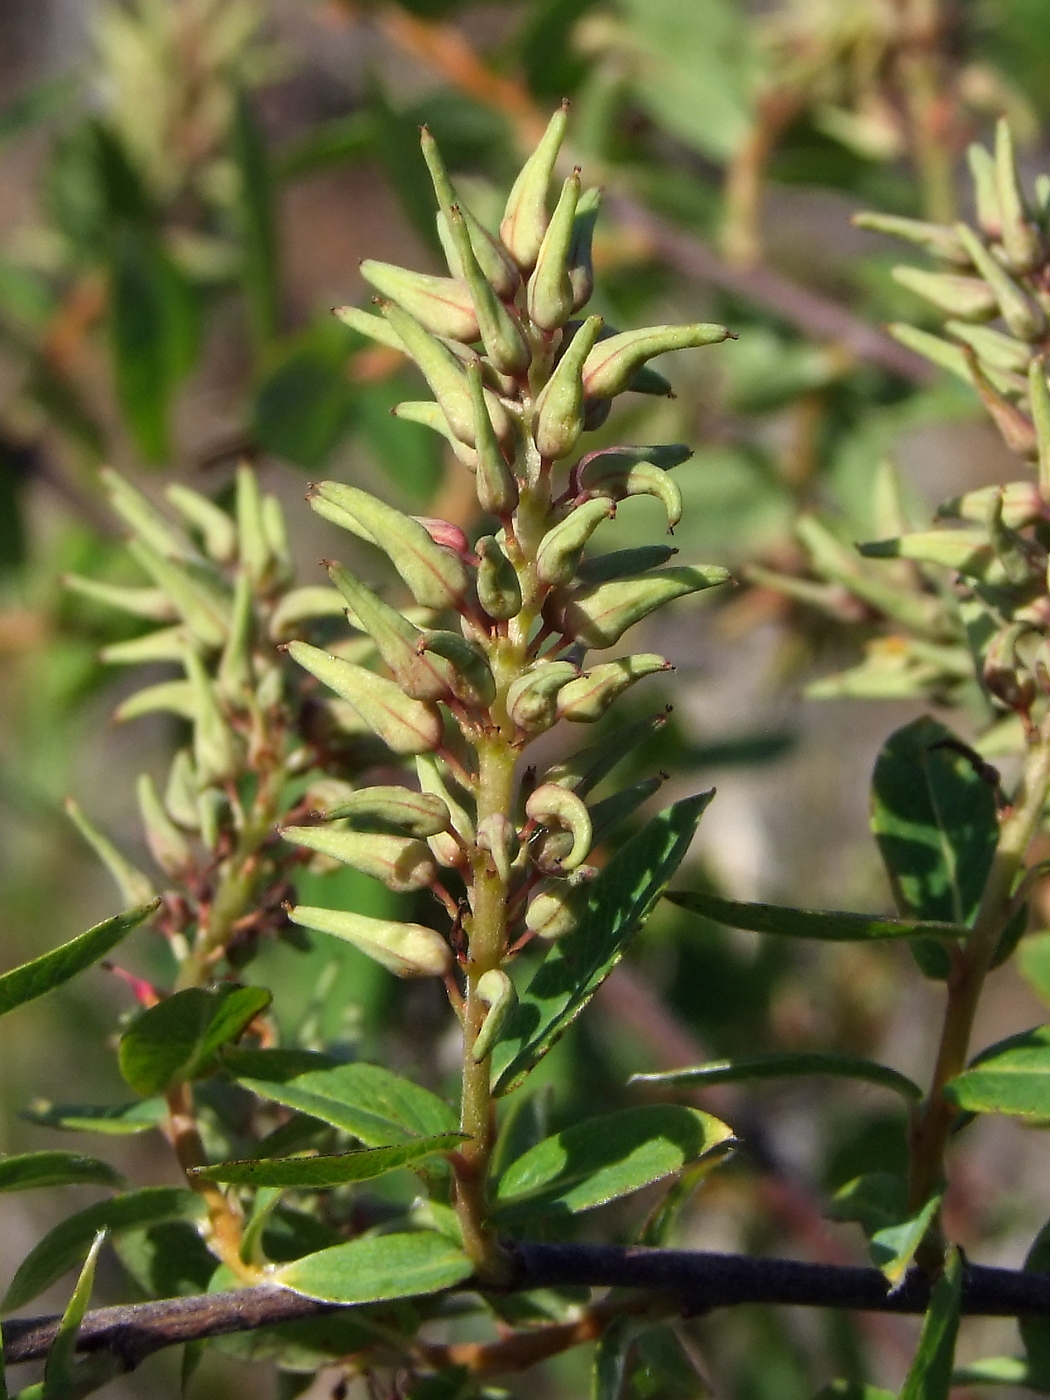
377, 1267
316, 1173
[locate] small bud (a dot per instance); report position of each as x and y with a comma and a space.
441, 305
554, 806
407, 950
532, 696
581, 266
151, 603
431, 779
469, 672
986, 193
275, 532
445, 533
617, 476
427, 413
495, 262
559, 413
498, 327
941, 241
550, 292
201, 607
499, 591
1022, 504
496, 485
586, 768
135, 887
168, 847
525, 217
214, 747
146, 523
609, 367
587, 698
396, 639
497, 992
402, 863
1020, 237
434, 574
557, 906
561, 548
624, 563
393, 810
234, 676
967, 297
166, 644
498, 835
217, 529
405, 725
175, 697
1023, 316
600, 614
180, 794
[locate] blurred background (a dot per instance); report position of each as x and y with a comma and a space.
188, 187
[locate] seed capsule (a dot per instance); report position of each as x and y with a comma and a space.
396, 638
393, 810
588, 766
441, 305
201, 607
986, 193
234, 676
1020, 237
253, 549
937, 239
1023, 316
965, 551
495, 262
598, 615
375, 327
496, 485
554, 806
581, 265
304, 605
214, 746
611, 475
587, 698
469, 672
525, 217
151, 603
174, 697
167, 845
550, 291
180, 793
135, 887
558, 905
1022, 504
499, 591
216, 527
427, 413
498, 835
624, 563
166, 644
561, 548
968, 297
559, 414
146, 523
405, 725
501, 334
497, 992
402, 863
407, 950
532, 696
608, 369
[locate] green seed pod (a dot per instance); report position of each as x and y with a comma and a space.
402, 863
180, 792
396, 639
532, 696
561, 548
407, 950
215, 754
375, 327
965, 551
496, 485
501, 334
552, 805
304, 605
608, 475
168, 847
405, 725
1020, 237
275, 530
986, 193
559, 411
938, 239
496, 264
174, 697
996, 351
496, 990
499, 591
253, 549
598, 615
146, 523
550, 291
624, 563
525, 217
435, 575
217, 529
1039, 400
1022, 504
441, 305
967, 297
558, 905
393, 810
1023, 316
588, 766
427, 413
581, 265
498, 835
135, 887
167, 644
234, 676
587, 698
151, 603
201, 607
608, 369
469, 672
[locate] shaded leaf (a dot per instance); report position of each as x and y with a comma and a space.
31, 1170
316, 1173
1012, 1076
750, 1067
167, 1260
893, 1247
305, 405
377, 1267
832, 926
118, 1121
930, 1374
610, 1359
621, 899
178, 1039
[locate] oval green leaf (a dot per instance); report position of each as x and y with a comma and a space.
317, 1173
378, 1267
1012, 1077
178, 1039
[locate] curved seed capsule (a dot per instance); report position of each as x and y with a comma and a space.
967, 297
151, 603
444, 373
532, 696
402, 863
1022, 504
495, 262
581, 264
561, 549
501, 334
214, 746
496, 990
431, 779
304, 605
985, 191
375, 327
496, 486
499, 591
166, 644
1023, 316
435, 575
393, 810
624, 563
441, 305
1020, 237
592, 467
405, 725
550, 291
554, 806
146, 523
181, 791
175, 697
469, 672
588, 766
429, 414
498, 835
167, 845
608, 369
606, 476
941, 241
559, 411
525, 217
407, 950
588, 697
200, 607
135, 887
558, 905
217, 529
600, 614
396, 638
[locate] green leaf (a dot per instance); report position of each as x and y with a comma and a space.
43, 974
934, 818
118, 1121
749, 1067
893, 1247
411, 456
1035, 1331
1012, 1076
177, 1039
379, 1108
167, 1260
61, 1359
258, 225
930, 1374
378, 1267
621, 899
875, 1201
832, 926
31, 1170
62, 1248
1033, 960
604, 1158
305, 405
316, 1173
610, 1359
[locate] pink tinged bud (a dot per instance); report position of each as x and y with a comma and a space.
402, 863
550, 291
1022, 503
525, 217
406, 950
581, 265
561, 548
1024, 317
1020, 236
441, 305
589, 697
405, 725
446, 534
551, 805
495, 262
496, 485
559, 410
499, 591
604, 475
532, 696
610, 366
499, 837
429, 415
435, 574
501, 334
598, 615
496, 991
967, 297
396, 639
392, 810
469, 672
